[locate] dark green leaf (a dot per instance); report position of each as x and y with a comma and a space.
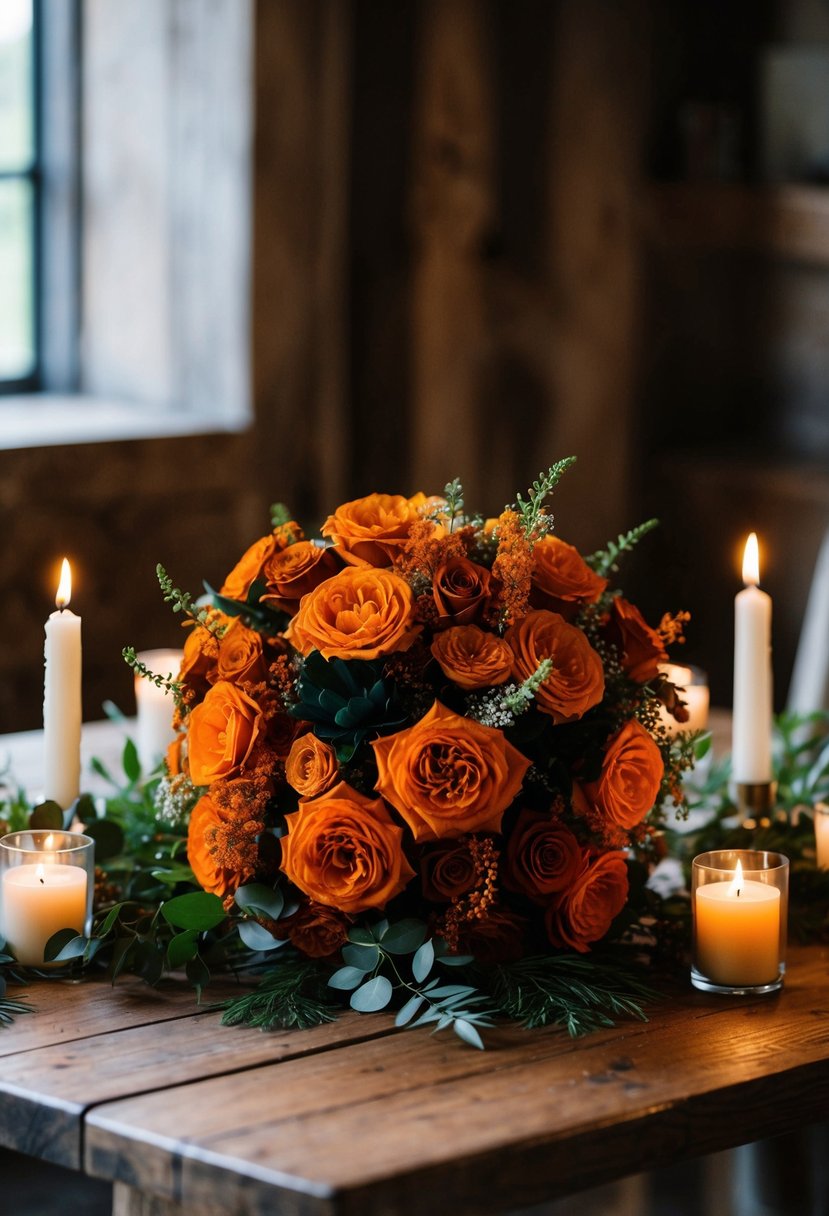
108, 836
47, 817
362, 937
198, 910
198, 974
58, 941
101, 769
85, 808
129, 759
373, 995
255, 896
364, 957
149, 961
182, 948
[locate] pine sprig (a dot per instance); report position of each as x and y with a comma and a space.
580, 994
182, 601
605, 561
293, 995
10, 1009
534, 519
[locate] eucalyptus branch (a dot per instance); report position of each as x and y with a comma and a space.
605, 561
534, 519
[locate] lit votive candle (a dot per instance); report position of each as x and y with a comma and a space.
46, 884
740, 900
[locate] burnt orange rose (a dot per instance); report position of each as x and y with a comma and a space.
585, 913
471, 657
317, 930
360, 613
248, 568
344, 850
562, 579
447, 871
543, 857
222, 732
240, 656
630, 779
640, 647
198, 664
173, 756
460, 589
372, 531
576, 683
448, 775
208, 827
311, 768
293, 572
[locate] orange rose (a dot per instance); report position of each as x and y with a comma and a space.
240, 656
222, 732
372, 531
585, 913
448, 775
344, 850
640, 647
293, 572
317, 931
447, 871
360, 613
460, 589
471, 657
198, 664
498, 937
630, 779
311, 768
208, 824
248, 568
543, 857
576, 683
562, 579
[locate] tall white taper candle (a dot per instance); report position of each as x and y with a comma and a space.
62, 699
751, 738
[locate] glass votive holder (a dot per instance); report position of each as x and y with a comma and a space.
822, 835
154, 707
47, 881
740, 900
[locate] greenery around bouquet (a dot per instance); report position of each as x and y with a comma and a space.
421, 765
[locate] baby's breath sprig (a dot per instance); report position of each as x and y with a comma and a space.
606, 561
503, 705
534, 519
182, 601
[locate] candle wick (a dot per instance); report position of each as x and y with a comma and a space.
738, 891
42, 883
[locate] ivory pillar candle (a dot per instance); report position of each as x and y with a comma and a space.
751, 737
62, 699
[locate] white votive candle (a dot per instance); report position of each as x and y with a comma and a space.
38, 900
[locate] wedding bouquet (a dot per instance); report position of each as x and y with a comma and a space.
425, 740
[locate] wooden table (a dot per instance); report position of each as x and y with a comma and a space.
141, 1087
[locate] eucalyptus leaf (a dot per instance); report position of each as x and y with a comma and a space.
466, 1031
57, 943
422, 961
407, 1012
405, 936
365, 958
85, 808
257, 937
346, 978
373, 995
149, 961
196, 910
182, 948
255, 896
130, 762
361, 937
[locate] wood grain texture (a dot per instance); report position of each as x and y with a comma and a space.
413, 1123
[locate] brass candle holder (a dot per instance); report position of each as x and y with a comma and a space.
756, 799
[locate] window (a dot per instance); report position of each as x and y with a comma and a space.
19, 194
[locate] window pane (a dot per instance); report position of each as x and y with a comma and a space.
17, 331
16, 67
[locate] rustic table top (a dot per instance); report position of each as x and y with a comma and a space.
142, 1087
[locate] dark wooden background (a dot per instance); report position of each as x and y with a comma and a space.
467, 262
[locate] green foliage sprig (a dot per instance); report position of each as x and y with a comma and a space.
292, 995
606, 561
168, 682
182, 601
534, 519
580, 994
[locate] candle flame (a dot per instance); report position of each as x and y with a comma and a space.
751, 562
737, 882
49, 843
40, 874
64, 594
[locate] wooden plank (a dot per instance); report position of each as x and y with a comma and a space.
790, 222
413, 1123
92, 1044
